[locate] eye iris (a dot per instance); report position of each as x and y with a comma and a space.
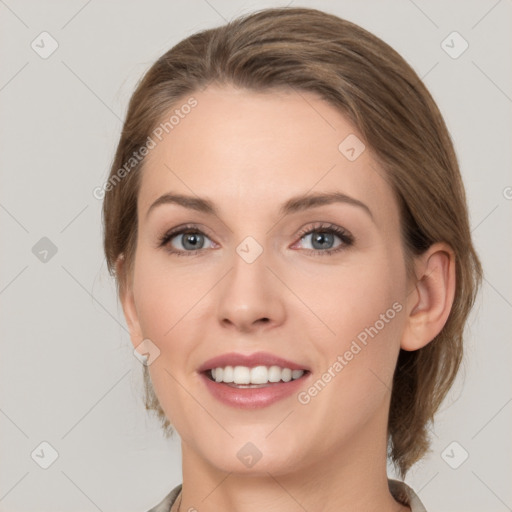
321, 238
192, 240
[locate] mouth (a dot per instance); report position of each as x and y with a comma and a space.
252, 381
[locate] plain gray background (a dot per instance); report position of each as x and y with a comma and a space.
68, 375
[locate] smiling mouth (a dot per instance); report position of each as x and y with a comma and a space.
242, 377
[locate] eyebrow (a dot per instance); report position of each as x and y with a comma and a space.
292, 205
306, 201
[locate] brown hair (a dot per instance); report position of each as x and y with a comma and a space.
371, 84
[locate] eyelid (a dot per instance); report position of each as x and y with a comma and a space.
165, 239
346, 238
325, 226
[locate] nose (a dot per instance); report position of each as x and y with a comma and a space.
251, 298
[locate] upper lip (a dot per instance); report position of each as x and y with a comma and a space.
250, 360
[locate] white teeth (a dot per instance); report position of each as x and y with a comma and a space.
255, 375
297, 373
274, 374
286, 375
259, 375
241, 375
228, 374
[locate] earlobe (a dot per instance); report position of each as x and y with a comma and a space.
431, 299
127, 300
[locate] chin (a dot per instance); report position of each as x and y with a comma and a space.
251, 457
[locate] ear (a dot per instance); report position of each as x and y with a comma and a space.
128, 302
431, 299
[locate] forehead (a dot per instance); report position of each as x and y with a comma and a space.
245, 149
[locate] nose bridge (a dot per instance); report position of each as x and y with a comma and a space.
250, 294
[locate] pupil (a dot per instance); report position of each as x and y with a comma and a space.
322, 238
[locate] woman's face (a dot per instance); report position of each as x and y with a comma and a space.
319, 283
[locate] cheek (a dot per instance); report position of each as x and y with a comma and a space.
352, 297
162, 296
356, 375
168, 302
362, 306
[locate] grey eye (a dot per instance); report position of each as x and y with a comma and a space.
321, 240
189, 241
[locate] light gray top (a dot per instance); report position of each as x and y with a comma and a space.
400, 491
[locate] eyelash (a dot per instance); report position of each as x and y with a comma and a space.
190, 229
346, 238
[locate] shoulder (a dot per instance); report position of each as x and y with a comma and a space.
166, 504
400, 491
405, 495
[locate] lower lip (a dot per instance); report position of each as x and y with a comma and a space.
253, 398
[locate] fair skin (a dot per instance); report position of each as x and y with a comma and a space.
248, 153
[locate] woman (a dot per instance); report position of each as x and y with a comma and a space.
287, 225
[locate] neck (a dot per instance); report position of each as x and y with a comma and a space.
351, 476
